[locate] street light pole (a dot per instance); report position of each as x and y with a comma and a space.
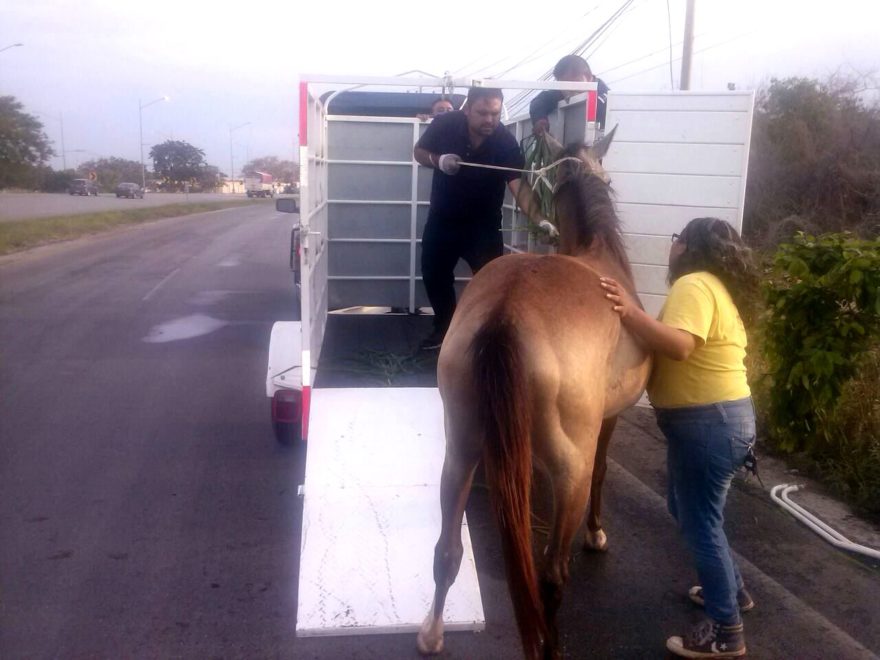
141, 107
231, 158
60, 119
63, 156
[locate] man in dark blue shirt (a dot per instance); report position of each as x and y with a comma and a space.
465, 214
571, 68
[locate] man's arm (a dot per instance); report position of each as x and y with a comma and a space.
541, 106
525, 197
425, 157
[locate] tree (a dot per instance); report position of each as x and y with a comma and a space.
56, 180
112, 171
177, 163
815, 160
284, 171
209, 179
24, 147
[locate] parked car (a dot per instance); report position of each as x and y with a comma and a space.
130, 190
83, 187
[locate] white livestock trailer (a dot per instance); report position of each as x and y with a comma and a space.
375, 454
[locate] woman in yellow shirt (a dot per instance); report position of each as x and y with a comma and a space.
704, 408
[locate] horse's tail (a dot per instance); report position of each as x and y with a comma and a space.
501, 388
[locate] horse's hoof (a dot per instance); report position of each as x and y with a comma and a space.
430, 637
427, 645
595, 541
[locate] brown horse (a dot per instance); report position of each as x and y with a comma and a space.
535, 368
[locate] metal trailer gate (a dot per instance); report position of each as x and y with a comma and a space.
375, 455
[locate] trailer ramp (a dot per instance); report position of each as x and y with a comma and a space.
371, 516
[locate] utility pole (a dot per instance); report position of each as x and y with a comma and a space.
231, 158
688, 47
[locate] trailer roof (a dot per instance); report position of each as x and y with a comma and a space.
385, 104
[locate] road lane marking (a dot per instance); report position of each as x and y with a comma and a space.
162, 283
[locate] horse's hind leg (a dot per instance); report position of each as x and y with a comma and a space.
571, 488
595, 538
455, 484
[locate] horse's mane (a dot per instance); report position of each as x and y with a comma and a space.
590, 198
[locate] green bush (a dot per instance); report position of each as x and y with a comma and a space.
852, 465
820, 339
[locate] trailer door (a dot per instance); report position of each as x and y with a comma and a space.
675, 157
313, 238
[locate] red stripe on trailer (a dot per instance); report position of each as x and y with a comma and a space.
592, 102
306, 408
303, 114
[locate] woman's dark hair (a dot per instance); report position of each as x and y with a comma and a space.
713, 245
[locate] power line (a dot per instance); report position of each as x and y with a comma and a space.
595, 47
529, 57
702, 50
544, 45
518, 102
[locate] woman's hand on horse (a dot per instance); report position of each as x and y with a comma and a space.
622, 302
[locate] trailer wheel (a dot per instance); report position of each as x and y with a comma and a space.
288, 434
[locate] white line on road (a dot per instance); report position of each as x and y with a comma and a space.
785, 599
162, 283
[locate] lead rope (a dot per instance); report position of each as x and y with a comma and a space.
539, 173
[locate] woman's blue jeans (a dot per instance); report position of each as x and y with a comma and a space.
707, 444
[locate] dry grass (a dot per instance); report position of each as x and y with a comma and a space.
20, 235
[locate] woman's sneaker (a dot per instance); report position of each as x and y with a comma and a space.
709, 639
743, 598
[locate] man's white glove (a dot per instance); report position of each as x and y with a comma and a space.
449, 164
547, 226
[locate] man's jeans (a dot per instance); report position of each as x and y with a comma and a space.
706, 446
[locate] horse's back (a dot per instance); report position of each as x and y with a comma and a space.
572, 341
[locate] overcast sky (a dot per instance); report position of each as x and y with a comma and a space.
224, 64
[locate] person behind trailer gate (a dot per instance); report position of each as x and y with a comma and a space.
704, 408
571, 68
438, 107
465, 212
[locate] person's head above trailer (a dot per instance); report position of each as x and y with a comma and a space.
441, 105
573, 68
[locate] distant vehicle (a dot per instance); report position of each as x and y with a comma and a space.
258, 184
130, 190
83, 187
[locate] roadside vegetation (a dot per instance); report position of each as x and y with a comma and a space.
16, 235
174, 165
813, 217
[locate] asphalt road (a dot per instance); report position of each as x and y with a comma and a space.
147, 511
20, 206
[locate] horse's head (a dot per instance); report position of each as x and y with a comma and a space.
589, 159
583, 203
